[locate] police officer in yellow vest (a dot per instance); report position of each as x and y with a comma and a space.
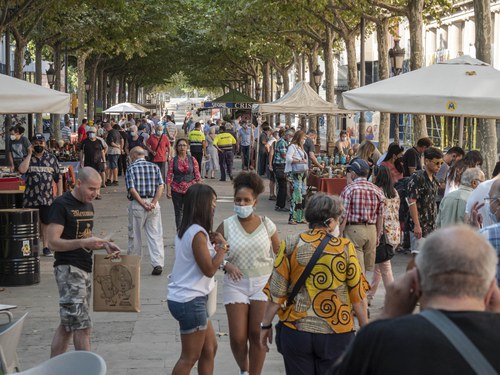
224, 143
197, 144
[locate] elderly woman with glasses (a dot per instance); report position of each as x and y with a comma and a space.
316, 324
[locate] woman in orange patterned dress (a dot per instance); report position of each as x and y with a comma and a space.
315, 329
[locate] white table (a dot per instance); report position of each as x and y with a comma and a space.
5, 309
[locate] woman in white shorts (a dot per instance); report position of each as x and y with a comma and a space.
253, 241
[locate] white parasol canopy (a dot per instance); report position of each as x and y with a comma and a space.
301, 99
462, 87
18, 96
126, 108
459, 87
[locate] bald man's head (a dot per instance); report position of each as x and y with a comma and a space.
137, 153
456, 262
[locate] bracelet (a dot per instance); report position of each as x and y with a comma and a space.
269, 326
223, 264
222, 246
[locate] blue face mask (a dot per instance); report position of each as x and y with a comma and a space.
243, 211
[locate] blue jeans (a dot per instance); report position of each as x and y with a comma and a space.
191, 315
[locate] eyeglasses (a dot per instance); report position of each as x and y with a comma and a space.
437, 163
491, 199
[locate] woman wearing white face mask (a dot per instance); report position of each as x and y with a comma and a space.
317, 323
253, 241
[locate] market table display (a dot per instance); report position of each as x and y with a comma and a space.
332, 186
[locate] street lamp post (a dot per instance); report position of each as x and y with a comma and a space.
396, 56
51, 75
317, 74
279, 85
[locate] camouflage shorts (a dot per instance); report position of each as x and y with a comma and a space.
74, 297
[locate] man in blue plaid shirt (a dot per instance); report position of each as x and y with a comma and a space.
145, 187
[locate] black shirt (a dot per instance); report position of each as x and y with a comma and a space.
41, 175
78, 221
92, 151
411, 345
411, 159
309, 146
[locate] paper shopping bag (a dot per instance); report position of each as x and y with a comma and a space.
117, 283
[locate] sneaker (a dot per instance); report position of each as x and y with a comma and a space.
292, 222
114, 183
47, 252
231, 177
157, 270
272, 197
108, 183
98, 197
281, 209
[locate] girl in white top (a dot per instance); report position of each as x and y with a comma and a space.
254, 241
198, 255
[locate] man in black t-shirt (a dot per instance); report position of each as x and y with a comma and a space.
92, 154
309, 148
456, 276
412, 159
71, 221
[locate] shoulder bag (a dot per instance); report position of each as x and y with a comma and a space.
460, 341
300, 167
384, 251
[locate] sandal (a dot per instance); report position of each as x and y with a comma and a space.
292, 222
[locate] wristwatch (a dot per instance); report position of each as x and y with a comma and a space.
223, 264
269, 326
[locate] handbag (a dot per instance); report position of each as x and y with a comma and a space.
300, 167
384, 251
460, 341
152, 157
212, 301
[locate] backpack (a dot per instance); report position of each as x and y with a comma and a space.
402, 188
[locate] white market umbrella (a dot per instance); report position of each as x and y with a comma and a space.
126, 108
18, 96
300, 99
462, 87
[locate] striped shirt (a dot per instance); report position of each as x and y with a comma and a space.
144, 177
492, 234
363, 202
66, 134
196, 139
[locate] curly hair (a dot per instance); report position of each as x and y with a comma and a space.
250, 180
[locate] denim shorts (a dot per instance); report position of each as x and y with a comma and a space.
113, 161
191, 315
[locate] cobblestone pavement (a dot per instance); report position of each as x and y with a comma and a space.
147, 342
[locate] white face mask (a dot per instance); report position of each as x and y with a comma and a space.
159, 132
92, 135
12, 137
132, 134
243, 211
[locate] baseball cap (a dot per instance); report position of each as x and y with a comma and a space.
359, 166
38, 137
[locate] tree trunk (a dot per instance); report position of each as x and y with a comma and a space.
312, 61
56, 118
352, 64
100, 86
266, 87
92, 91
19, 56
416, 21
298, 67
487, 128
81, 59
38, 81
330, 89
383, 72
112, 93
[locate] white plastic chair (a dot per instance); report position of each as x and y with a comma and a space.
74, 363
9, 339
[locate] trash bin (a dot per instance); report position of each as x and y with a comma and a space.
19, 244
11, 199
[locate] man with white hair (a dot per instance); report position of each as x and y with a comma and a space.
452, 207
455, 283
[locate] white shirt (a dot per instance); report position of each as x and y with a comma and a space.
293, 153
482, 191
186, 280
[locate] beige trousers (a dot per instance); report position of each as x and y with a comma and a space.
364, 238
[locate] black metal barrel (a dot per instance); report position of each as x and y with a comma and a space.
11, 199
19, 245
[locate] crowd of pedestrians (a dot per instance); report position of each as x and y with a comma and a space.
315, 280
